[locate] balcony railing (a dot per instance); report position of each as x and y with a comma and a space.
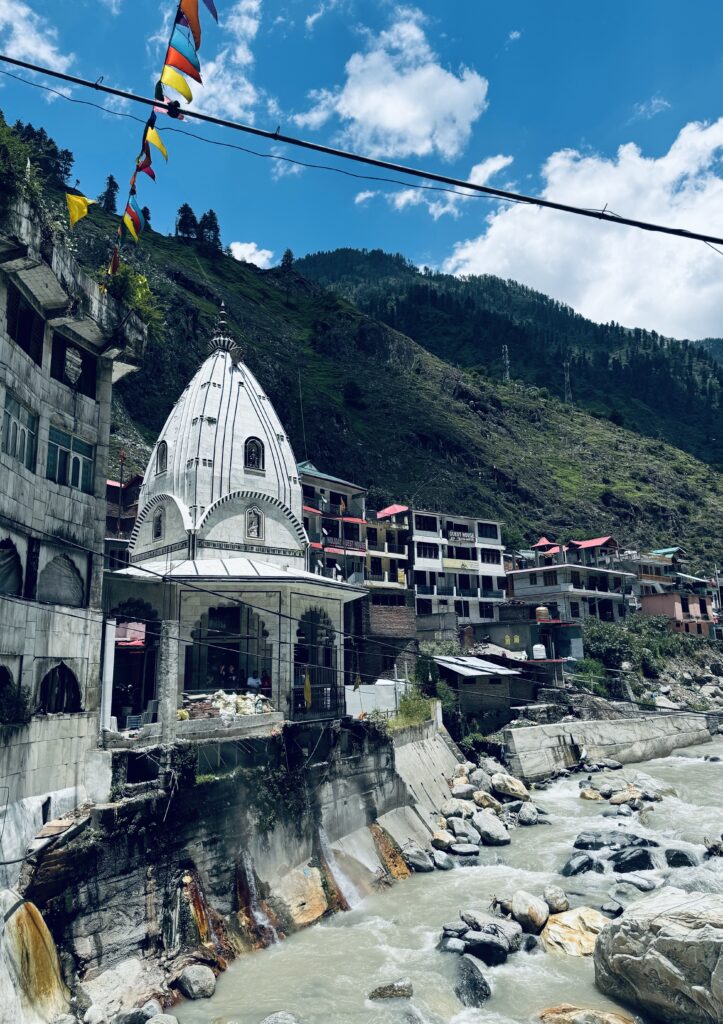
492, 594
445, 590
424, 588
396, 549
467, 592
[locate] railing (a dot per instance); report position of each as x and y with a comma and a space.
467, 592
354, 545
327, 699
396, 549
376, 577
491, 594
424, 588
444, 590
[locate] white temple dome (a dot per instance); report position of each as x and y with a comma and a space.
222, 476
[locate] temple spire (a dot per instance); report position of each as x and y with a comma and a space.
221, 338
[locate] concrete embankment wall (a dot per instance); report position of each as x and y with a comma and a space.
536, 751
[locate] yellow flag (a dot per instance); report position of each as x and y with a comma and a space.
131, 227
77, 207
307, 689
176, 81
154, 138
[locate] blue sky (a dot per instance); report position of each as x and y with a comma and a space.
534, 95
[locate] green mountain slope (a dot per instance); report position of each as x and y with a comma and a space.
660, 387
380, 409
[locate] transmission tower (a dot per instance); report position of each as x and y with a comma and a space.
506, 364
568, 389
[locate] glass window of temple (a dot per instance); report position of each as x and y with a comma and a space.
158, 525
230, 645
71, 462
162, 457
254, 524
254, 454
59, 692
19, 432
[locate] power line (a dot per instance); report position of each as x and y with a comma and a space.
173, 109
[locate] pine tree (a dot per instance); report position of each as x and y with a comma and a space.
146, 216
186, 223
287, 265
209, 231
287, 260
108, 199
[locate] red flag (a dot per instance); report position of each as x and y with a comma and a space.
177, 60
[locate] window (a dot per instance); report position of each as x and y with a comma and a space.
699, 627
617, 582
25, 326
703, 606
490, 556
462, 608
487, 530
20, 432
162, 457
424, 606
71, 462
575, 609
254, 454
685, 605
158, 525
549, 579
389, 600
576, 580
427, 524
254, 524
73, 366
486, 610
372, 537
532, 578
427, 551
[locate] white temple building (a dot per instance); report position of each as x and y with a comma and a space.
217, 561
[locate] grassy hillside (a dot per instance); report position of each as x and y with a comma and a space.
658, 386
382, 410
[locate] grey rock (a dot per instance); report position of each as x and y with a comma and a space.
576, 865
480, 780
472, 988
463, 792
643, 884
632, 859
456, 928
490, 828
135, 1016
490, 765
152, 1008
509, 820
624, 811
680, 859
555, 899
611, 840
163, 1018
450, 944
663, 956
605, 790
513, 805
491, 949
400, 989
529, 911
528, 815
197, 982
416, 858
279, 1018
464, 830
464, 850
456, 809
612, 909
530, 943
442, 861
484, 921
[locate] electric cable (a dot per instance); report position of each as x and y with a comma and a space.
173, 109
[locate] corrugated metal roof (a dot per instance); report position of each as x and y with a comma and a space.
309, 468
392, 510
467, 665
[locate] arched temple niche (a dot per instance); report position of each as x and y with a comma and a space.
316, 684
60, 582
138, 628
11, 569
59, 692
230, 643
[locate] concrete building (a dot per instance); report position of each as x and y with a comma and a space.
121, 514
572, 591
218, 561
334, 516
59, 337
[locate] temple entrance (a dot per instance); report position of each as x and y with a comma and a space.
138, 627
230, 646
317, 693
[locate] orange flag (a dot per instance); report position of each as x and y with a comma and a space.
189, 9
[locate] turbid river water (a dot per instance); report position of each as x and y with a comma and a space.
324, 973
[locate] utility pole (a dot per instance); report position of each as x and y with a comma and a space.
506, 364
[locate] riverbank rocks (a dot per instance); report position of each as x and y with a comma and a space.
555, 899
196, 982
491, 830
530, 912
528, 815
163, 1018
464, 850
632, 859
566, 1013
472, 988
400, 989
577, 865
463, 792
464, 831
573, 932
277, 1018
480, 780
456, 809
486, 801
664, 955
441, 860
416, 859
463, 769
590, 794
679, 859
442, 840
509, 786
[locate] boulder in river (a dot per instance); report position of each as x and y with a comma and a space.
509, 786
529, 911
566, 1013
528, 815
665, 956
555, 899
574, 932
491, 949
577, 864
456, 809
442, 839
484, 921
451, 944
625, 796
472, 987
590, 794
442, 861
611, 840
633, 858
490, 828
480, 780
279, 1018
400, 989
610, 763
463, 831
464, 850
680, 859
416, 858
486, 801
456, 928
197, 982
463, 792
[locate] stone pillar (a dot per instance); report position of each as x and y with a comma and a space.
106, 691
167, 680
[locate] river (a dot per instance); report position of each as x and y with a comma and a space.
323, 974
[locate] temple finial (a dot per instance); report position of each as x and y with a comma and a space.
221, 339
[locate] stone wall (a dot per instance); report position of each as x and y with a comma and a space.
536, 751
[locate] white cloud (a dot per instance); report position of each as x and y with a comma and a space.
114, 6
283, 168
398, 99
655, 105
29, 36
249, 252
324, 7
514, 36
363, 197
610, 272
441, 203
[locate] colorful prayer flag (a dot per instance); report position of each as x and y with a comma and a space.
172, 78
77, 207
212, 8
189, 9
178, 61
180, 41
154, 138
132, 222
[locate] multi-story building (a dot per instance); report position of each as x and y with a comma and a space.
121, 499
59, 336
334, 520
572, 591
